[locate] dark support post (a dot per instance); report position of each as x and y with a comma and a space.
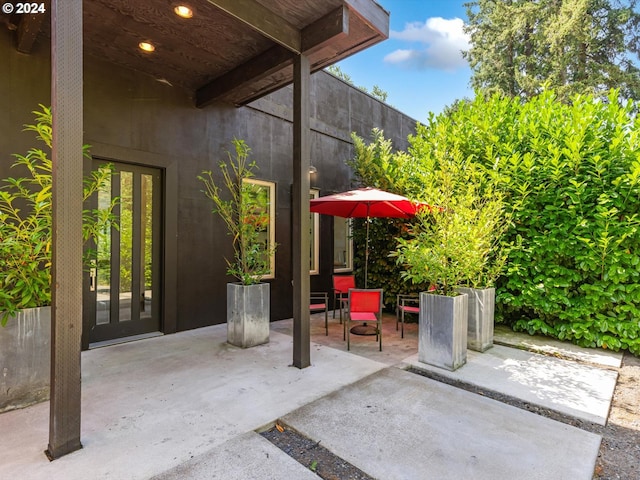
301, 154
66, 311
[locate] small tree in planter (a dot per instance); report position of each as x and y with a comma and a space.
246, 218
488, 227
451, 246
25, 224
25, 266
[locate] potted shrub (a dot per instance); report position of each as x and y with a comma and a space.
244, 213
488, 224
434, 253
452, 246
480, 284
25, 266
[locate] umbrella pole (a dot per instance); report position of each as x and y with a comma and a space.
366, 255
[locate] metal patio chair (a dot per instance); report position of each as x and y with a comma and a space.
341, 286
319, 302
406, 303
365, 306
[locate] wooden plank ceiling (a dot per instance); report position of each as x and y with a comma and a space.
229, 50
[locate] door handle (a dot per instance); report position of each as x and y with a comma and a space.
93, 276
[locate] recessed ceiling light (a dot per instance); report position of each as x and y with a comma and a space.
146, 47
183, 11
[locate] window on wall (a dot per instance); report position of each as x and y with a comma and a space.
314, 237
263, 194
342, 245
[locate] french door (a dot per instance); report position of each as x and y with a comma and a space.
122, 284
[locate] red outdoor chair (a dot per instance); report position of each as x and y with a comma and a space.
406, 303
365, 306
341, 286
319, 302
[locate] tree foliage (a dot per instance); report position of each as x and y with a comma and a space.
25, 222
521, 47
453, 242
243, 213
570, 175
457, 240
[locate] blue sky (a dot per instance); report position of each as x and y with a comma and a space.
419, 65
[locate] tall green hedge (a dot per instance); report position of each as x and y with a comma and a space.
571, 174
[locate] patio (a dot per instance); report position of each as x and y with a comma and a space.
187, 405
161, 95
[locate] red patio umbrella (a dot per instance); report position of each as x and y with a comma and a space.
366, 203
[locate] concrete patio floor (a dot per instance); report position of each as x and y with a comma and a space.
188, 405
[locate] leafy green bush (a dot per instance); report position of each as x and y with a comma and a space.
452, 244
457, 241
571, 174
25, 224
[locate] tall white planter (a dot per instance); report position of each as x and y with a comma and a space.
248, 311
482, 304
25, 358
442, 340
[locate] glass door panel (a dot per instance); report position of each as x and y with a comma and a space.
146, 219
126, 244
124, 278
101, 266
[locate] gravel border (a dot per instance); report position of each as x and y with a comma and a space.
312, 455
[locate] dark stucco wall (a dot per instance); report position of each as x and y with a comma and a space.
130, 117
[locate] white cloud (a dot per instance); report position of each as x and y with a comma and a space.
400, 56
442, 39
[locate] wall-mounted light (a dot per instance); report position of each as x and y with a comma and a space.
146, 47
312, 170
183, 11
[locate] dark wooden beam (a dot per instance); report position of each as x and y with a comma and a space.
29, 28
66, 271
372, 14
315, 36
300, 227
273, 60
327, 29
263, 20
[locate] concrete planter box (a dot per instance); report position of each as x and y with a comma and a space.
25, 357
247, 314
442, 340
482, 304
